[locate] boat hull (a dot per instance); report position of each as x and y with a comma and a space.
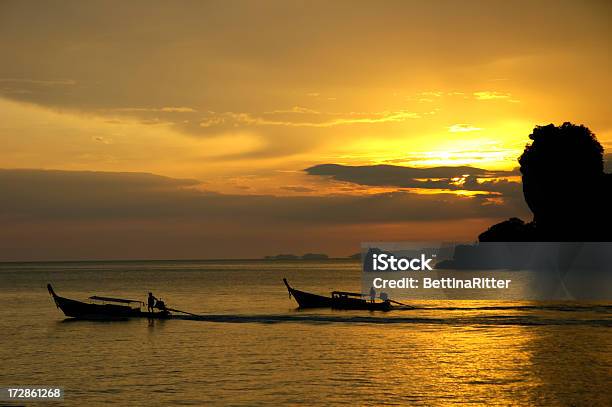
354, 303
308, 300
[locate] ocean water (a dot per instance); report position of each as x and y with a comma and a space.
252, 347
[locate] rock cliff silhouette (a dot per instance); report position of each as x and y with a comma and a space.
565, 186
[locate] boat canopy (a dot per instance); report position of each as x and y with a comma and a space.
110, 299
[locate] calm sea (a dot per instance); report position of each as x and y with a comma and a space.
254, 348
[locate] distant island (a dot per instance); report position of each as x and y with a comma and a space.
312, 256
307, 256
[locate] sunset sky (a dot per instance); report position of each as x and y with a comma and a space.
206, 129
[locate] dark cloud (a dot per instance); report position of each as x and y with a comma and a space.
410, 177
66, 195
76, 215
297, 188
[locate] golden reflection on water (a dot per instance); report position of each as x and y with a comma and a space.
512, 365
450, 365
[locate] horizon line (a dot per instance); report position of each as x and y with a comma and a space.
168, 260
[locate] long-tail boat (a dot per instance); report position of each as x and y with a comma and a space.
338, 300
107, 308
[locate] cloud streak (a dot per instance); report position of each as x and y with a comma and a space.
165, 109
248, 119
462, 128
43, 82
493, 95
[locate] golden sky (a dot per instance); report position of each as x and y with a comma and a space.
242, 96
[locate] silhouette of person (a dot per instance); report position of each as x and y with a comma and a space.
151, 302
564, 185
372, 294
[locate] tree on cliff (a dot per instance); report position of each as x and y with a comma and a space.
564, 185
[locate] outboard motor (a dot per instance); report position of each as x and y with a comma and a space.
160, 305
